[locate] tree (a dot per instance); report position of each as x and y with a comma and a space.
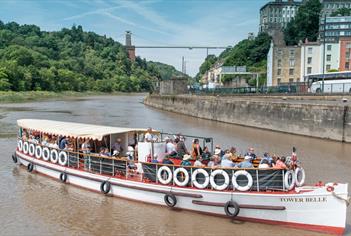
4, 82
342, 11
305, 24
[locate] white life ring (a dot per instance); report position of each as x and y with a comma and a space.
46, 154
160, 177
197, 184
20, 145
54, 156
186, 179
31, 149
38, 152
62, 158
25, 147
249, 180
213, 182
300, 180
290, 174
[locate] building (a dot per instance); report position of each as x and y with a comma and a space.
345, 54
175, 85
330, 6
284, 65
277, 14
336, 27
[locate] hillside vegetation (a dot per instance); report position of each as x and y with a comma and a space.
70, 59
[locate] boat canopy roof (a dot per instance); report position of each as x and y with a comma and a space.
70, 129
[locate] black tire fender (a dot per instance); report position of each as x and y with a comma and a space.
14, 158
231, 204
63, 177
30, 167
170, 200
105, 187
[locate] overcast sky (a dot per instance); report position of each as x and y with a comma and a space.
152, 22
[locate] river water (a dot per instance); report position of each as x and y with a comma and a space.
31, 204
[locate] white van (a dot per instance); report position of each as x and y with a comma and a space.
331, 86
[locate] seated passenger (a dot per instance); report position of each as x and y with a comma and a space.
211, 163
198, 162
180, 147
206, 155
196, 149
233, 151
167, 161
218, 151
268, 158
186, 160
251, 153
117, 147
226, 161
264, 164
280, 163
170, 147
63, 143
246, 163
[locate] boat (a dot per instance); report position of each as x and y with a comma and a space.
273, 196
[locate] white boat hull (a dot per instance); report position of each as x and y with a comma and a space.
312, 208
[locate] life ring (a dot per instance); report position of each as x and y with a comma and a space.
20, 145
249, 180
170, 200
54, 156
160, 177
31, 149
38, 152
300, 176
105, 187
14, 158
231, 204
194, 180
62, 158
213, 182
186, 175
46, 154
289, 175
63, 177
30, 167
25, 147
330, 188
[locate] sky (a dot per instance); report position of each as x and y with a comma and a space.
152, 23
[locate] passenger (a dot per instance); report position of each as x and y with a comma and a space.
211, 163
117, 147
226, 161
63, 143
196, 149
264, 164
206, 155
180, 147
218, 151
267, 157
148, 135
170, 147
186, 160
233, 151
217, 161
246, 163
54, 144
198, 162
167, 161
251, 153
280, 163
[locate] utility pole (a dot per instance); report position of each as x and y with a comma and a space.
183, 65
325, 29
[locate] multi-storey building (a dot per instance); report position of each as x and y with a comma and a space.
335, 27
330, 6
345, 54
277, 14
284, 65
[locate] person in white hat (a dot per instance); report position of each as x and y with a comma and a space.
186, 160
246, 163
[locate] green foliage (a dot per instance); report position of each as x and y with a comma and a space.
166, 71
70, 59
206, 65
305, 24
342, 11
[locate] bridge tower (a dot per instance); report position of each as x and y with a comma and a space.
130, 48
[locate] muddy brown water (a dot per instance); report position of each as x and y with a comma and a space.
31, 204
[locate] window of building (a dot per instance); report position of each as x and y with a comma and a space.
292, 62
309, 60
348, 45
279, 80
328, 68
328, 57
291, 80
329, 47
310, 50
309, 70
291, 71
347, 65
292, 52
279, 71
279, 62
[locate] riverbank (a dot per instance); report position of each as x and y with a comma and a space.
323, 118
17, 97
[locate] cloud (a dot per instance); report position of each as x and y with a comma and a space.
99, 11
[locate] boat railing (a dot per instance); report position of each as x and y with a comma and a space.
203, 140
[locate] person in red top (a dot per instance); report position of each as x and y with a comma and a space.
280, 163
